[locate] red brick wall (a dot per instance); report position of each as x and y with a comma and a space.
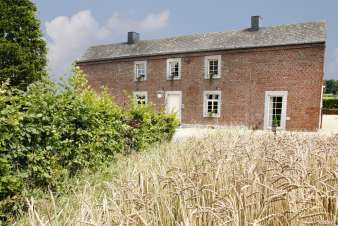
246, 75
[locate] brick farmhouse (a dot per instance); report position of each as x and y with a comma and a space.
258, 77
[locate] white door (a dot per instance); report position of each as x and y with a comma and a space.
173, 102
275, 109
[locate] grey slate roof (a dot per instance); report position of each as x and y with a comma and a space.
291, 34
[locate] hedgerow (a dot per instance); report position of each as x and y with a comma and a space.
330, 103
48, 135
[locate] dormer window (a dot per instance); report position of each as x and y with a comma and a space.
174, 69
212, 67
140, 70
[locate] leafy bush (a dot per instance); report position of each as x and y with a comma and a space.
149, 127
330, 103
48, 135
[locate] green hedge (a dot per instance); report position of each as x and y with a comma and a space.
330, 103
48, 135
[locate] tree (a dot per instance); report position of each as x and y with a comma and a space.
22, 47
331, 86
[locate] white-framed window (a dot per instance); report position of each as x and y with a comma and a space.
141, 98
174, 69
140, 70
212, 103
275, 109
212, 66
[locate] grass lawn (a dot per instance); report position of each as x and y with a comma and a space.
327, 97
233, 177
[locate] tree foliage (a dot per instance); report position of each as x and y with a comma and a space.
331, 86
22, 48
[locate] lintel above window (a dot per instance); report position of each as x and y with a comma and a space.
212, 66
140, 70
174, 69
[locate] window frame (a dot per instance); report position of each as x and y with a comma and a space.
207, 60
140, 93
205, 103
136, 70
173, 60
268, 95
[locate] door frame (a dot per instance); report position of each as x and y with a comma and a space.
269, 94
167, 93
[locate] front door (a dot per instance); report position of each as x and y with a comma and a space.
275, 109
173, 102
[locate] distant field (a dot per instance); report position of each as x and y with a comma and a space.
234, 177
328, 97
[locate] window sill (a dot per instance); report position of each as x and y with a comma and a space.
208, 78
211, 116
277, 128
172, 79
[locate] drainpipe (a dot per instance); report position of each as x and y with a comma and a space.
321, 108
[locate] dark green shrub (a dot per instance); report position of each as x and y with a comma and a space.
48, 135
330, 103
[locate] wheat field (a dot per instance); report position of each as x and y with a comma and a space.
233, 177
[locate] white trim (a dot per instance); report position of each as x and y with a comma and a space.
268, 95
321, 107
205, 103
145, 70
180, 104
141, 93
174, 60
206, 66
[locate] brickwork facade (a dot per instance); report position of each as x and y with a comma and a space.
245, 76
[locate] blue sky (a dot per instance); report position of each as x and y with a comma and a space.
70, 26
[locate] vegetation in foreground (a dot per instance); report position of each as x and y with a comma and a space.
49, 135
236, 177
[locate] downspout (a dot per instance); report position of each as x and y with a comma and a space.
321, 108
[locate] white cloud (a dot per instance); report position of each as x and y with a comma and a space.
155, 21
68, 37
150, 22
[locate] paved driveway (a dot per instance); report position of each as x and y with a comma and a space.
330, 125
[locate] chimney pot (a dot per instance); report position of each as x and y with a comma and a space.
255, 23
133, 37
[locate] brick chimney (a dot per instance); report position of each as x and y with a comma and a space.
133, 37
255, 23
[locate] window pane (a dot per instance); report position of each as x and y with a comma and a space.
215, 107
213, 67
174, 69
140, 99
275, 111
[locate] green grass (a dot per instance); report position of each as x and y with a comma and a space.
234, 177
329, 97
